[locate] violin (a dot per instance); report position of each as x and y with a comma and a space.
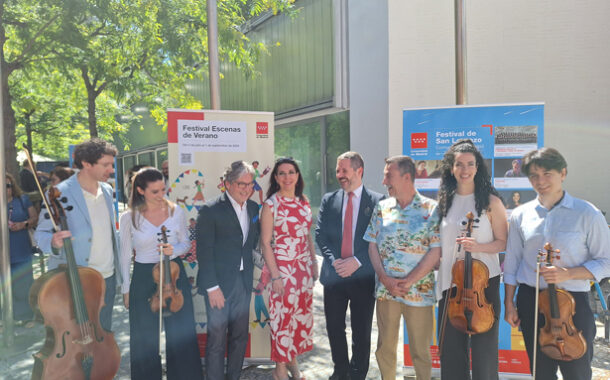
171, 295
558, 338
467, 307
69, 300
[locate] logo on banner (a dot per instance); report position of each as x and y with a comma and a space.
419, 140
262, 130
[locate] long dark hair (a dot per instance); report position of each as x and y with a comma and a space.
141, 179
482, 182
274, 186
16, 190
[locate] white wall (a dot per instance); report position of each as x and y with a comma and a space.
555, 51
421, 64
368, 85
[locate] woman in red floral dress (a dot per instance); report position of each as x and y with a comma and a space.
291, 261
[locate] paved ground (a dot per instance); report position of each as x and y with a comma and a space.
16, 361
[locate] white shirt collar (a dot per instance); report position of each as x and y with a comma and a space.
357, 192
234, 203
97, 194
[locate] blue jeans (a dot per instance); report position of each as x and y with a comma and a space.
106, 312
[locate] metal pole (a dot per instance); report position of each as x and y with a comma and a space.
461, 89
5, 259
213, 54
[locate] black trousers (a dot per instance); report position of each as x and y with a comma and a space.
546, 368
228, 330
484, 347
182, 349
359, 295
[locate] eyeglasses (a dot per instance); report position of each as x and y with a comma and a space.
9, 185
244, 185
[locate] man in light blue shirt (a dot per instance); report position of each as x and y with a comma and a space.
580, 232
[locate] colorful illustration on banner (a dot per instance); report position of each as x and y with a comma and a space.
221, 185
260, 308
188, 185
190, 257
257, 175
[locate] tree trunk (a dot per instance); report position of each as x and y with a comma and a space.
91, 96
8, 115
28, 132
10, 152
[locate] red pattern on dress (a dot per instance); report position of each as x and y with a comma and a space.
291, 315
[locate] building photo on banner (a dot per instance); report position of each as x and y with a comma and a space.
201, 145
503, 133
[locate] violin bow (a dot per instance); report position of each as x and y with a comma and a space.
160, 302
536, 311
44, 198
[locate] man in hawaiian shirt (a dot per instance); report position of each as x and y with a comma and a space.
404, 247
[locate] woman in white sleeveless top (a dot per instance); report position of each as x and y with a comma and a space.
466, 187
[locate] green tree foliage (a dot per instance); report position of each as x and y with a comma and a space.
76, 66
46, 122
25, 27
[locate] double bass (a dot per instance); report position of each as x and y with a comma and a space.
69, 300
558, 338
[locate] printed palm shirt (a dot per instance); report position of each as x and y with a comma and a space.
403, 237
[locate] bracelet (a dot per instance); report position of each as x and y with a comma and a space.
276, 278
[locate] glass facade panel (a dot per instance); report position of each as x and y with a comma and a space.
161, 156
337, 142
302, 142
146, 158
128, 163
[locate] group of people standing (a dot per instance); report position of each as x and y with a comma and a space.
379, 253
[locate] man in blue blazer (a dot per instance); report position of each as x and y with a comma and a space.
228, 229
91, 223
347, 274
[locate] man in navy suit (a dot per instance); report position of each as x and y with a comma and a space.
228, 229
347, 274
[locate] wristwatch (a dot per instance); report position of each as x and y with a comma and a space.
27, 224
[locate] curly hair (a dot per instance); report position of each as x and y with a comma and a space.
482, 182
92, 150
275, 187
